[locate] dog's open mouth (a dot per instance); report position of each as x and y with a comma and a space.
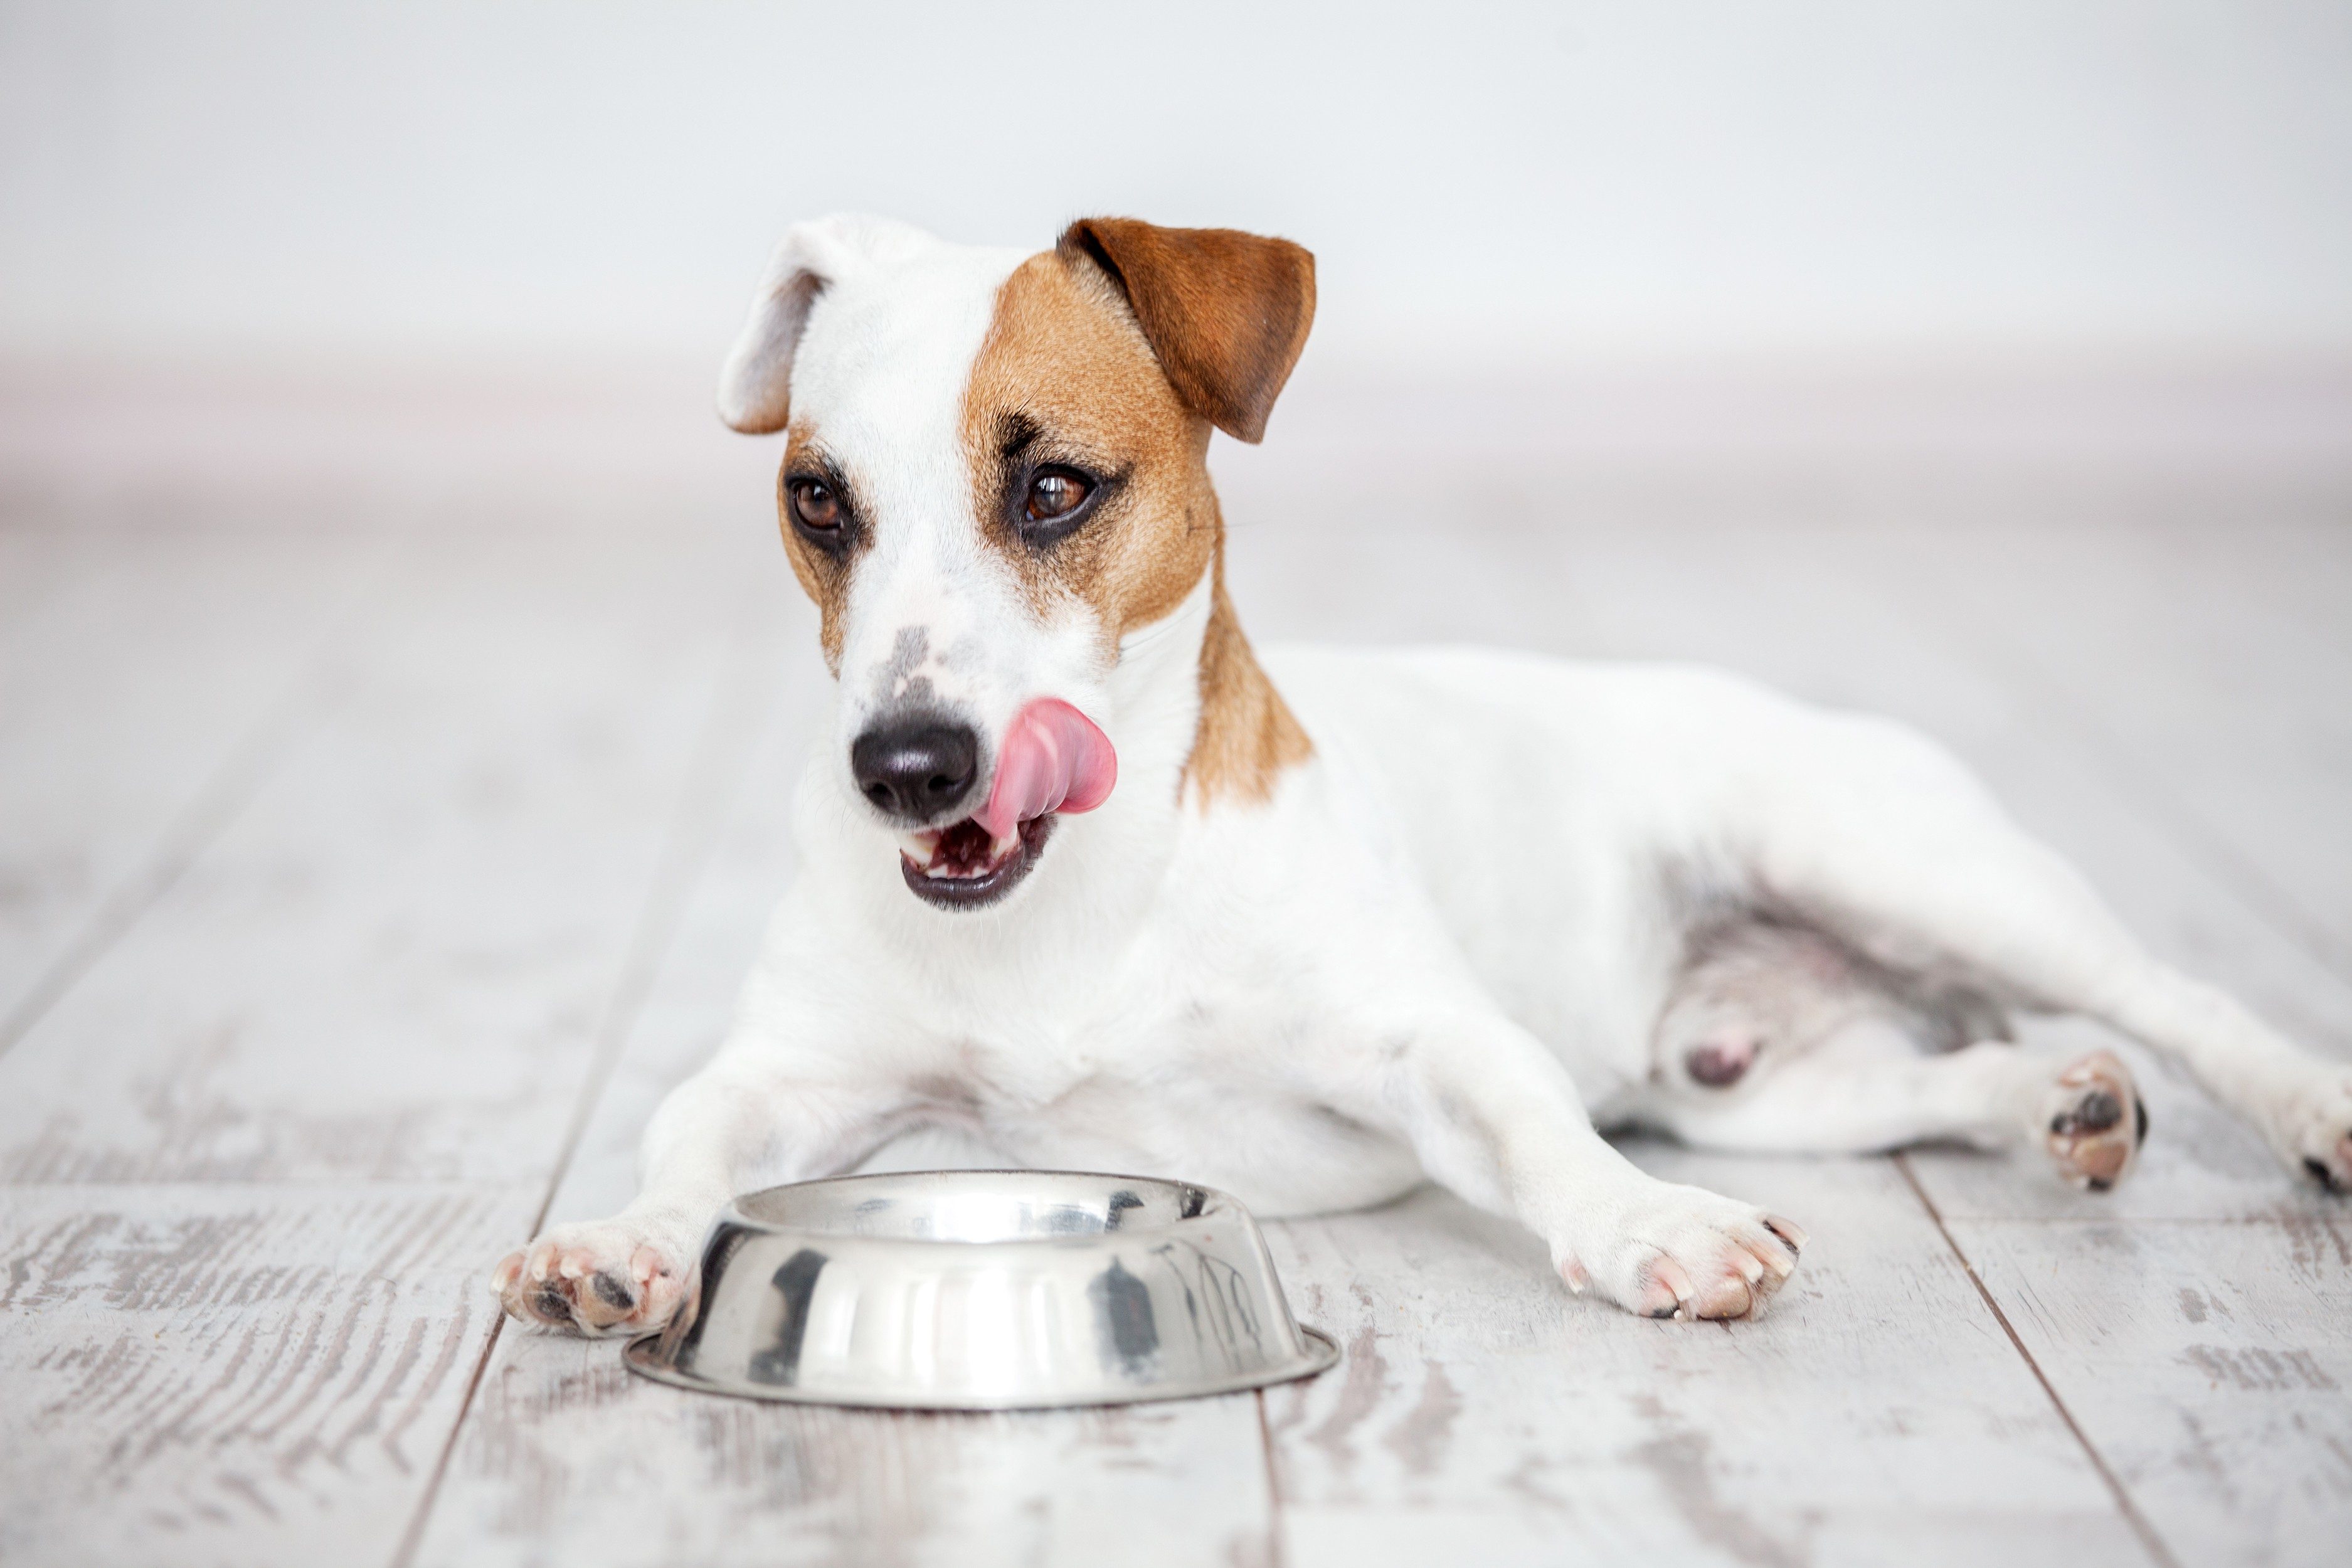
963, 866
1051, 759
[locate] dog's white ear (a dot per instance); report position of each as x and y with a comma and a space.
756, 382
755, 385
1226, 312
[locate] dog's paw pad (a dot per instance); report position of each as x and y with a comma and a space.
2094, 1122
607, 1277
2314, 1131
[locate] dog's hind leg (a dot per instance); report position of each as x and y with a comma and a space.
1885, 841
1869, 1088
1777, 1038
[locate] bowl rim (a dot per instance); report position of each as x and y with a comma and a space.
1216, 1204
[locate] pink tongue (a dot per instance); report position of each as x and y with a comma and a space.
1054, 759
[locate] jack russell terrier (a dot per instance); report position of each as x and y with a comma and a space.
1082, 873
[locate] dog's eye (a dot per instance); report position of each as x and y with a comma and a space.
1055, 493
815, 505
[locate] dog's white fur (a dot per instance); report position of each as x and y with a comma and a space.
1504, 899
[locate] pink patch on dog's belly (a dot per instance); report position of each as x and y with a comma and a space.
1053, 759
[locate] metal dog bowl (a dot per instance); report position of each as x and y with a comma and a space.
983, 1291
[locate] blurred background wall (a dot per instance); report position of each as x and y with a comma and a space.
1642, 225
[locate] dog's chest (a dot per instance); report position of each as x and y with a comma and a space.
1198, 1088
1090, 1065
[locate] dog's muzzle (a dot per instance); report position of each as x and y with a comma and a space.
1053, 760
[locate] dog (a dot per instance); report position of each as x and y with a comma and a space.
1082, 873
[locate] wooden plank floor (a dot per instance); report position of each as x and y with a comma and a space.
362, 889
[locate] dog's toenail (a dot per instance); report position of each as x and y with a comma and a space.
2139, 1114
2099, 1185
2322, 1175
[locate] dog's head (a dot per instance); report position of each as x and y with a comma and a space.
995, 471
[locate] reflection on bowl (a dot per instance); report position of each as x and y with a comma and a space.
983, 1291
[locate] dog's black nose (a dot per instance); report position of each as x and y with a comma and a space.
916, 769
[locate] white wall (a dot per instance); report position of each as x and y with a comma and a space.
1517, 180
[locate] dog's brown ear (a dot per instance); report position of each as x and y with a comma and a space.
1227, 312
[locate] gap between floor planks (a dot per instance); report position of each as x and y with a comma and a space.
722, 756
173, 1173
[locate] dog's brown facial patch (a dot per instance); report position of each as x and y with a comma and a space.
1067, 394
1066, 384
822, 557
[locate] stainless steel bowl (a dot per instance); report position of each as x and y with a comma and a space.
983, 1291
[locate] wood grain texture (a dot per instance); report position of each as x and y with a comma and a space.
566, 1455
1484, 1414
232, 1374
2209, 1363
300, 1104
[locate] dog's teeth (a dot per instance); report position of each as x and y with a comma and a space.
998, 848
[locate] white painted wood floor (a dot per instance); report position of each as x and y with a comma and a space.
364, 878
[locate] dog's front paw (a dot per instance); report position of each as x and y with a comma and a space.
2312, 1131
606, 1277
1684, 1252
